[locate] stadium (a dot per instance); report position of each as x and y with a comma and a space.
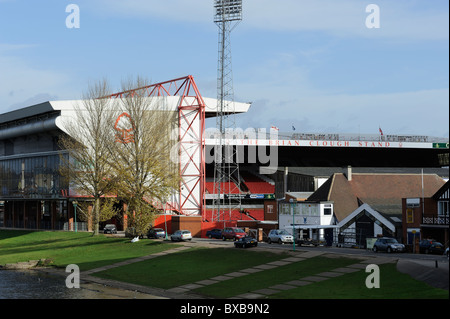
33, 195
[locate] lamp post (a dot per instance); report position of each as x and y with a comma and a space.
293, 222
75, 203
166, 237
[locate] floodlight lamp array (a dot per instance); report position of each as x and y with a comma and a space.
227, 10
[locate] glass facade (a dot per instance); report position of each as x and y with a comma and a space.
33, 177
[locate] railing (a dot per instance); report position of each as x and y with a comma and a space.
435, 220
264, 134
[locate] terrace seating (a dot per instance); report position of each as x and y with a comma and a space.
224, 186
256, 185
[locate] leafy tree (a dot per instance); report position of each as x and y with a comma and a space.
88, 139
141, 155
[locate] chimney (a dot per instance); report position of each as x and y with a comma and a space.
349, 173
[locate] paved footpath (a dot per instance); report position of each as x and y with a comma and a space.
186, 291
303, 281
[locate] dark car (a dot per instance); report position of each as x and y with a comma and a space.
388, 244
156, 233
245, 242
431, 246
214, 233
110, 229
234, 233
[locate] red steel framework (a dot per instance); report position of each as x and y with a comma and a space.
191, 108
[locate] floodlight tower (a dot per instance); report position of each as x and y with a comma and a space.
228, 14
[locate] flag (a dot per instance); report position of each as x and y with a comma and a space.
381, 132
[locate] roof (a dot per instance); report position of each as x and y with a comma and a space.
383, 192
64, 111
320, 172
442, 191
299, 195
211, 106
385, 220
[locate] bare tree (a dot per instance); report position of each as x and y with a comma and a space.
88, 142
142, 153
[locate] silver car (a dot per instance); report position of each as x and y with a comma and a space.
180, 235
280, 236
388, 244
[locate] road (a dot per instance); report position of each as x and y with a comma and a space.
336, 250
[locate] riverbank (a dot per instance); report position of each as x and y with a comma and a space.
160, 269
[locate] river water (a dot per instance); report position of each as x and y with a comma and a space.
29, 284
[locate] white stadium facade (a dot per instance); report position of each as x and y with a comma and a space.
33, 195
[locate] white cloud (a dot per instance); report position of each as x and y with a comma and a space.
399, 19
21, 82
404, 19
421, 112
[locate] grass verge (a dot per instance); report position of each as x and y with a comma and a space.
393, 285
268, 278
65, 248
189, 266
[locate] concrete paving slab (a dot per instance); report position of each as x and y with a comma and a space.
330, 274
236, 274
358, 266
298, 283
206, 282
279, 263
178, 290
293, 259
250, 296
266, 291
346, 270
221, 278
310, 254
251, 270
191, 286
282, 287
314, 278
265, 267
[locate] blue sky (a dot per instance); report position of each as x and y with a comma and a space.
311, 64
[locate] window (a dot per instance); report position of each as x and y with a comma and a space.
443, 208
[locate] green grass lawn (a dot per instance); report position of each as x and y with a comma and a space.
189, 266
279, 275
393, 285
65, 248
196, 264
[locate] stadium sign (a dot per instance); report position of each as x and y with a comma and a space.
327, 143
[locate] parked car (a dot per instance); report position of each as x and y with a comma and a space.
388, 244
180, 235
431, 246
110, 229
156, 233
446, 252
233, 233
245, 242
279, 236
214, 233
